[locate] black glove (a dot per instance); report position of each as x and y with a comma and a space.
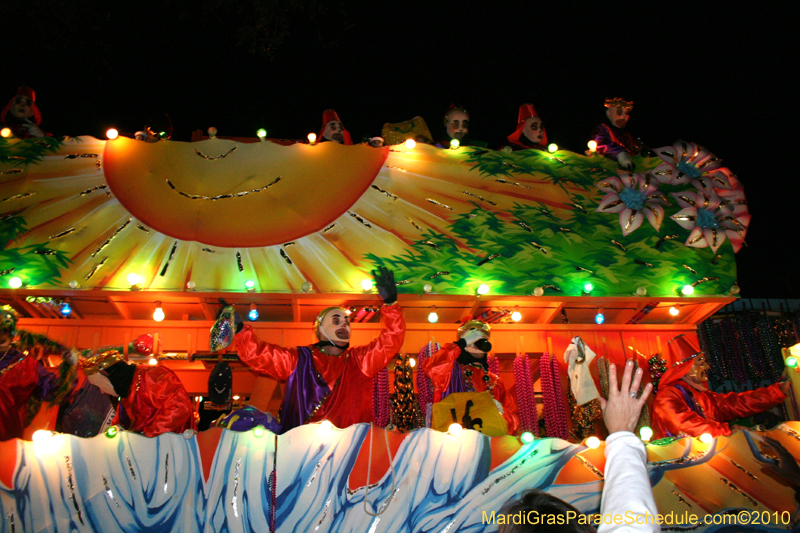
461, 343
483, 345
387, 288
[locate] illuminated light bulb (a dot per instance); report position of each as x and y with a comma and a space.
592, 146
348, 311
433, 317
249, 284
40, 436
687, 290
262, 133
507, 149
411, 144
791, 361
15, 282
66, 309
198, 398
112, 134
189, 433
236, 397
212, 132
258, 432
646, 433
454, 143
153, 361
5, 133
307, 286
325, 429
412, 362
427, 287
706, 438
73, 284
253, 314
674, 311
526, 437
734, 290
158, 314
552, 148
366, 285
483, 289
538, 291
112, 432
191, 285
592, 442
599, 318
516, 316
312, 138
588, 287
641, 291
455, 428
133, 279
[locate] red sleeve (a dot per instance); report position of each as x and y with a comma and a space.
741, 404
674, 415
439, 366
265, 358
510, 411
373, 357
172, 407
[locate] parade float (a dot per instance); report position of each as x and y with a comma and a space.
106, 240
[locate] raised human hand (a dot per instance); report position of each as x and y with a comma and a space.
786, 466
624, 161
622, 409
387, 288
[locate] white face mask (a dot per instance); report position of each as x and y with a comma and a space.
22, 107
533, 130
618, 115
457, 125
102, 382
335, 327
333, 131
697, 377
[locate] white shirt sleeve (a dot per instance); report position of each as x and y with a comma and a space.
627, 492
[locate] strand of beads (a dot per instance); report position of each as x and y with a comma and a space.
554, 412
381, 408
424, 385
525, 395
562, 427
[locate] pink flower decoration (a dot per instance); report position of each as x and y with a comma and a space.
685, 162
634, 196
711, 218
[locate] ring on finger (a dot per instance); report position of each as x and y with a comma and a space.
632, 394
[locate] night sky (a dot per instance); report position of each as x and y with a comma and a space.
715, 75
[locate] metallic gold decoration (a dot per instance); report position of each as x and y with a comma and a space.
481, 198
431, 244
434, 202
734, 488
585, 462
93, 189
665, 238
440, 273
222, 196
98, 164
696, 239
12, 171
703, 280
619, 245
681, 499
397, 168
514, 183
239, 261
285, 256
487, 259
387, 193
560, 160
62, 234
539, 247
209, 250
743, 469
688, 200
171, 255
690, 269
326, 230
111, 238
18, 196
215, 158
96, 268
565, 230
43, 251
99, 362
290, 243
84, 156
643, 263
166, 472
582, 269
630, 220
524, 226
71, 485
142, 228
619, 102
579, 207
552, 287
546, 212
614, 204
515, 167
679, 460
716, 259
403, 282
359, 219
6, 271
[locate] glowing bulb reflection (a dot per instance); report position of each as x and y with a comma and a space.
133, 279
706, 438
455, 429
592, 146
483, 289
158, 314
552, 148
526, 437
15, 282
516, 316
674, 311
454, 143
366, 285
312, 138
687, 290
411, 144
112, 134
592, 442
5, 133
646, 433
433, 317
791, 361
